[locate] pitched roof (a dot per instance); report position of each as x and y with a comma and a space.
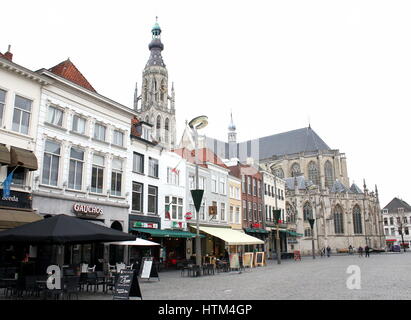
280, 144
204, 155
396, 203
339, 187
301, 181
291, 142
355, 189
68, 70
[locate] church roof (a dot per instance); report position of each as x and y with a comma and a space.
396, 203
68, 70
355, 189
291, 142
302, 183
338, 187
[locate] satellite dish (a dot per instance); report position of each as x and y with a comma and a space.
198, 122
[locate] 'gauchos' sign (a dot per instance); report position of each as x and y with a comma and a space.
84, 209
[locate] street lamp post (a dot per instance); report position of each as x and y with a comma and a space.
277, 215
195, 124
311, 221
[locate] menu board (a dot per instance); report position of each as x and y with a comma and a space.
259, 259
248, 259
234, 261
147, 270
127, 286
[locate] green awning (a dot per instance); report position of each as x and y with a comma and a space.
254, 230
295, 234
157, 233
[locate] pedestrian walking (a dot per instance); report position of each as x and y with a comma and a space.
360, 250
328, 251
350, 249
367, 251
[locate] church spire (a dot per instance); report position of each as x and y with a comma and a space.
156, 46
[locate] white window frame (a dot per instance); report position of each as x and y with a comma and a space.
2, 106
98, 130
80, 118
54, 157
118, 133
22, 111
53, 110
100, 171
76, 161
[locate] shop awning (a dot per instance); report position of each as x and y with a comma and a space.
4, 154
24, 158
390, 240
14, 218
232, 237
294, 234
255, 230
166, 233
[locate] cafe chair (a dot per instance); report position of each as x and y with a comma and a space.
84, 268
71, 287
120, 266
91, 269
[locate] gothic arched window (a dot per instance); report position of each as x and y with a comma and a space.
145, 89
329, 175
279, 173
356, 217
158, 126
147, 119
295, 170
162, 89
307, 211
166, 129
313, 173
291, 215
338, 219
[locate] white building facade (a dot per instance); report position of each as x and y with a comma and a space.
82, 141
20, 95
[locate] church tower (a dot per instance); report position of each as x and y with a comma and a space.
156, 105
232, 139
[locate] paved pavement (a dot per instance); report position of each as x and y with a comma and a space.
383, 276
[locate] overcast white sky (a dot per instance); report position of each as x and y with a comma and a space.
345, 65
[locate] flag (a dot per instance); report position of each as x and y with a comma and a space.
6, 185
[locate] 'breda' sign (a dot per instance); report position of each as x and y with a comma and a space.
87, 210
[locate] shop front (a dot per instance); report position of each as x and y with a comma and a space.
222, 242
175, 244
98, 212
258, 232
15, 210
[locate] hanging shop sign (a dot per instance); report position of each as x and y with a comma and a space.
178, 225
87, 210
16, 199
212, 210
139, 224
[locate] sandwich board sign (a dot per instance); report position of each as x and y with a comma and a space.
147, 270
127, 286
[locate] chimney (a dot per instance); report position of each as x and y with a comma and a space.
8, 55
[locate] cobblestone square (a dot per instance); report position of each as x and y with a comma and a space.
383, 276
